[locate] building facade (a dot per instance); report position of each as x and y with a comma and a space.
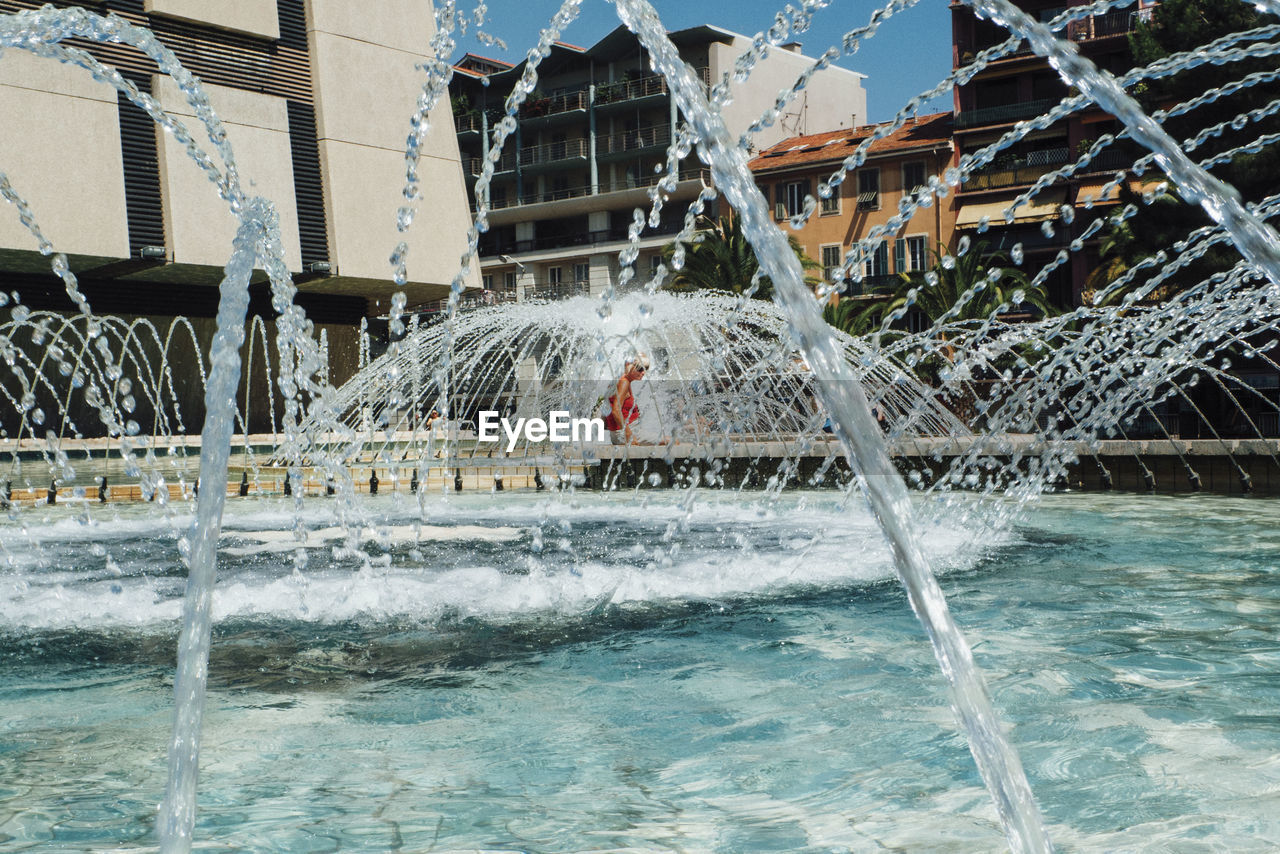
896, 168
1022, 86
587, 142
316, 96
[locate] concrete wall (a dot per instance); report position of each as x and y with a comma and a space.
834, 97
60, 147
255, 17
198, 224
366, 90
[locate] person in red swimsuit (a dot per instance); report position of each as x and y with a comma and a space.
623, 411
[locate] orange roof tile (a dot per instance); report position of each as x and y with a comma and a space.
834, 146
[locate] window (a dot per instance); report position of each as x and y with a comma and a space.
832, 257
877, 261
791, 199
831, 204
655, 261
868, 189
581, 273
555, 275
913, 176
509, 281
917, 255
486, 282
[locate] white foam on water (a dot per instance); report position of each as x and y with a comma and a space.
727, 548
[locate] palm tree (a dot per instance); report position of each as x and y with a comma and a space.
970, 286
857, 317
720, 258
1156, 224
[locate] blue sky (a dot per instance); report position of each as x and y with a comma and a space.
909, 54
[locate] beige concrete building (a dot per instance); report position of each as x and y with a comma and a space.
316, 96
588, 138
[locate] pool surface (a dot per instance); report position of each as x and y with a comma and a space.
609, 673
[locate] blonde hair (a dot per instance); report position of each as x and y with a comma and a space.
639, 360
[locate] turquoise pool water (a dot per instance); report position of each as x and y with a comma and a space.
606, 674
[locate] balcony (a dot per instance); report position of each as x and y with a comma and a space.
654, 136
1004, 113
1018, 171
468, 123
1110, 160
646, 86
629, 90
1107, 25
541, 106
563, 193
491, 244
506, 163
556, 290
878, 285
564, 151
467, 300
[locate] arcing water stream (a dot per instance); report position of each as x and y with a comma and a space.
1071, 377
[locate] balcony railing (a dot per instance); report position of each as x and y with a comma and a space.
550, 105
640, 87
634, 140
468, 122
629, 90
562, 193
491, 244
469, 300
1110, 161
1088, 29
556, 290
1106, 25
574, 149
506, 163
1004, 113
554, 152
1023, 170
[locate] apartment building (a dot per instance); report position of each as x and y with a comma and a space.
895, 168
1022, 86
315, 96
587, 142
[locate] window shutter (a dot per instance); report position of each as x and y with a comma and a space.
882, 258
900, 255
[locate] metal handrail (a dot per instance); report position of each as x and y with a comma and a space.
468, 300
1003, 113
553, 152
634, 140
550, 105
556, 290
617, 186
641, 87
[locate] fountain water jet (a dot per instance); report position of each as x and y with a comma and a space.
1073, 379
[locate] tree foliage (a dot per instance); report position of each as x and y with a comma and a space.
722, 259
1180, 26
968, 286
